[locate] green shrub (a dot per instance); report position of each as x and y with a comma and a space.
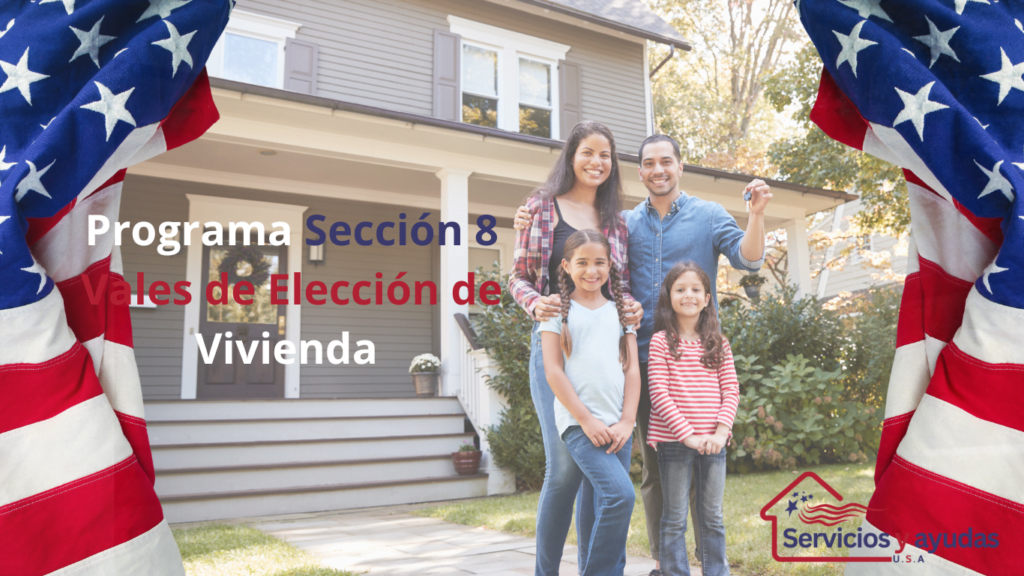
781, 325
796, 415
516, 443
871, 327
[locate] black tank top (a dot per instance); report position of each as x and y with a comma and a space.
562, 231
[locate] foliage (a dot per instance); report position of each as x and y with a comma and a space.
856, 336
425, 363
814, 159
710, 99
870, 321
795, 415
468, 447
781, 325
504, 330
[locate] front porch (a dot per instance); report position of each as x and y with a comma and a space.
276, 156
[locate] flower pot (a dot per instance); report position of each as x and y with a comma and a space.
466, 463
425, 383
753, 292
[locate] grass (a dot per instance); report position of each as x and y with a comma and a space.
238, 550
748, 537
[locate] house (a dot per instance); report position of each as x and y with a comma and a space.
378, 111
882, 260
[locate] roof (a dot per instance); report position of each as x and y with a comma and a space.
280, 94
630, 16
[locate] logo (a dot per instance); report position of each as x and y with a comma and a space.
809, 510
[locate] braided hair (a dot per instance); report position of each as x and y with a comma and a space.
707, 324
566, 287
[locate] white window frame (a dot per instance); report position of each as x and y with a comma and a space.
512, 46
501, 76
259, 27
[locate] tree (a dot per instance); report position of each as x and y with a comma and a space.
814, 159
710, 99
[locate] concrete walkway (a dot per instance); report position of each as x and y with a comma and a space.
391, 541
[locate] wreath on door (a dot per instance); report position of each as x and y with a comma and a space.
245, 263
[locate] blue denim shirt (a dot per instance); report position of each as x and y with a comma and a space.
693, 229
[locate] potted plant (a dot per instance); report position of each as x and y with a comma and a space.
467, 459
424, 370
751, 284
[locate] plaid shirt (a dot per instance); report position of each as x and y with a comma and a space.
529, 280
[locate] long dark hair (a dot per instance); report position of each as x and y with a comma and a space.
563, 177
567, 286
707, 325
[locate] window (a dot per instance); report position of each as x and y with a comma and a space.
251, 49
508, 79
479, 86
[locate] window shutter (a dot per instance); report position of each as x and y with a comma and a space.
568, 97
300, 63
447, 53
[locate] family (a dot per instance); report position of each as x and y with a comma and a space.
600, 366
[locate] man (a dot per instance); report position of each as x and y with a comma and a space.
667, 228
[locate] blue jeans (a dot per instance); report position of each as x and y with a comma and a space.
563, 479
680, 465
614, 496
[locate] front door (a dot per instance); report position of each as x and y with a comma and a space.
247, 324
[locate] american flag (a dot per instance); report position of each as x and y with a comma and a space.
89, 88
936, 87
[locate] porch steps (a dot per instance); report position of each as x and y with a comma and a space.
231, 459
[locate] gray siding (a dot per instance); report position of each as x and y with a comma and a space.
398, 332
156, 332
380, 53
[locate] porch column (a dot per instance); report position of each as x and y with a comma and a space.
454, 266
799, 256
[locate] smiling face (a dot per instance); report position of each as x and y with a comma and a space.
660, 169
588, 267
592, 163
688, 295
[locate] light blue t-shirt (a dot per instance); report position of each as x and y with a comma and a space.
594, 368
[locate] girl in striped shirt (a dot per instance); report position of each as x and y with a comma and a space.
694, 394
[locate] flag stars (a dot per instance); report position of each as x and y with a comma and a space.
32, 182
996, 182
35, 268
938, 41
177, 45
1009, 77
993, 268
867, 8
69, 5
112, 107
3, 157
916, 107
852, 44
961, 4
20, 77
90, 42
161, 8
8, 29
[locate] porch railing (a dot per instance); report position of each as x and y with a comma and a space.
482, 404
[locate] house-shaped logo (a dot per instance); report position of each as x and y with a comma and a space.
802, 505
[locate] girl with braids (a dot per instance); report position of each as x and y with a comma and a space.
583, 191
591, 365
694, 395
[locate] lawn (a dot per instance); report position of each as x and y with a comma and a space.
748, 537
238, 550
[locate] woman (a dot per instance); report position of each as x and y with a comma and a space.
583, 191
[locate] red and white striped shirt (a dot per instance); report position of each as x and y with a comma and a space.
686, 397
